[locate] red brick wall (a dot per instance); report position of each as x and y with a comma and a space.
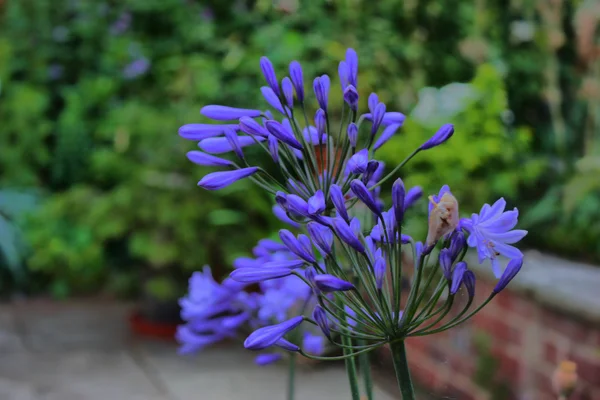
511, 348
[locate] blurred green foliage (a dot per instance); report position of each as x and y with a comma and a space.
94, 91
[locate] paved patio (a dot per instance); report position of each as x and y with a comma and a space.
83, 351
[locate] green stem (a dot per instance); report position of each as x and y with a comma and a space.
401, 368
291, 376
351, 370
365, 370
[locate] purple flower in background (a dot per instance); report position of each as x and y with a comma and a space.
267, 358
200, 309
121, 25
313, 344
491, 232
55, 71
357, 164
136, 68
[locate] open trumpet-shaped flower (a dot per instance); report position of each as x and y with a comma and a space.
492, 234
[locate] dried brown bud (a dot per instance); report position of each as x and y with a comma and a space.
443, 219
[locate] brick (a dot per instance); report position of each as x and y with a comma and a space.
510, 368
524, 307
573, 330
588, 370
498, 328
551, 353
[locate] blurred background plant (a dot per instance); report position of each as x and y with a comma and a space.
93, 94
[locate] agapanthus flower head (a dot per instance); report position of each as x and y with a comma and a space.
288, 91
329, 283
457, 276
491, 233
204, 131
351, 97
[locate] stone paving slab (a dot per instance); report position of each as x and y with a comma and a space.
84, 351
230, 373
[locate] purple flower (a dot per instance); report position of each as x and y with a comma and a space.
413, 194
469, 281
389, 118
297, 247
378, 115
234, 142
372, 103
379, 268
288, 91
343, 73
224, 113
316, 204
287, 345
254, 275
351, 97
269, 72
283, 134
313, 344
200, 158
320, 122
457, 244
347, 235
457, 276
219, 180
297, 80
296, 205
352, 134
491, 232
337, 198
352, 63
272, 99
268, 358
372, 167
121, 25
329, 283
363, 194
321, 236
320, 318
218, 145
443, 134
269, 335
136, 68
386, 135
280, 213
274, 148
203, 131
446, 263
512, 269
321, 87
251, 127
398, 197
357, 164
